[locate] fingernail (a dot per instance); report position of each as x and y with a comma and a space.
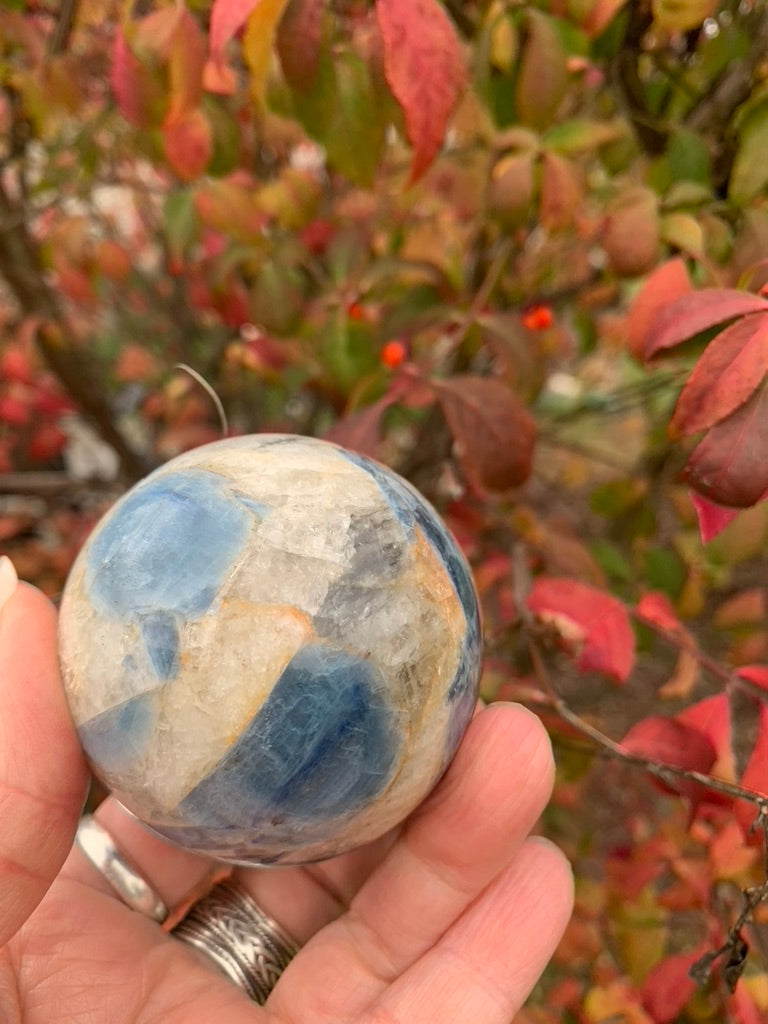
8, 580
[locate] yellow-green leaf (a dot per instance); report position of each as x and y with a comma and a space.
258, 42
749, 175
682, 15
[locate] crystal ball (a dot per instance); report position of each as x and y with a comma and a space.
271, 648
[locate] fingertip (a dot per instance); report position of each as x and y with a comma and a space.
9, 580
24, 610
557, 869
43, 776
516, 734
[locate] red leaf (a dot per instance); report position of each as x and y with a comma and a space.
188, 143
755, 775
494, 433
713, 519
227, 18
668, 986
673, 742
362, 430
730, 369
757, 674
593, 624
697, 312
667, 283
129, 80
730, 466
743, 1007
712, 718
299, 35
656, 609
425, 69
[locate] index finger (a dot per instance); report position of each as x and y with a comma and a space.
43, 776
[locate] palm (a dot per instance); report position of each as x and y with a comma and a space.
452, 919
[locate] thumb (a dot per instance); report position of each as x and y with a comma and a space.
43, 776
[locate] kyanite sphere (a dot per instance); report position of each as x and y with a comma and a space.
271, 649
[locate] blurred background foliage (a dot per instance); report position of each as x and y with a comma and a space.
421, 230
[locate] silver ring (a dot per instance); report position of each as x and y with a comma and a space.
133, 889
244, 944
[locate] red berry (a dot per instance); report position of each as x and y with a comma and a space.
394, 354
355, 311
538, 318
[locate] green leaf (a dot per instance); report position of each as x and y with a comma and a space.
688, 157
749, 175
580, 135
355, 137
226, 137
180, 221
663, 570
347, 350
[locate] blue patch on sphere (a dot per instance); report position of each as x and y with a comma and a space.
322, 745
163, 555
116, 738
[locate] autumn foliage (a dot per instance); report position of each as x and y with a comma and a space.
519, 252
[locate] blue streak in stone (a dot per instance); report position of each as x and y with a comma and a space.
161, 640
322, 745
411, 510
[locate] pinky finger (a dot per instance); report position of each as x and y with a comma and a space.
487, 963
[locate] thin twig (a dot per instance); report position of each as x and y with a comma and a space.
209, 390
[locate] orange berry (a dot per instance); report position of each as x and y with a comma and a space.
355, 311
538, 318
394, 354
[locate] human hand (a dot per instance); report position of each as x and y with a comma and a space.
450, 919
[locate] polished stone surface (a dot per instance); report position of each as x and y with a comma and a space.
271, 649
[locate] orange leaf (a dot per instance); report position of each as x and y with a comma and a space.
730, 369
186, 61
188, 143
593, 624
667, 282
631, 233
543, 76
561, 191
425, 69
697, 312
493, 432
730, 466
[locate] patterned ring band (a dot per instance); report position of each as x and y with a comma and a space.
101, 850
245, 945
